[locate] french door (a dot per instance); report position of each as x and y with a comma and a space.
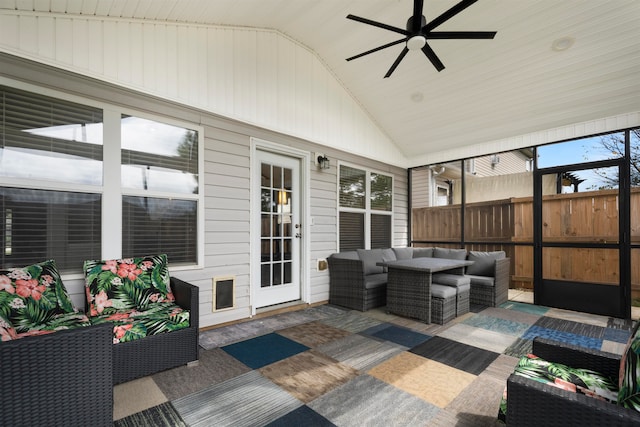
278, 213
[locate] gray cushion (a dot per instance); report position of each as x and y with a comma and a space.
375, 280
484, 262
403, 253
450, 253
346, 255
481, 280
450, 279
369, 259
442, 291
388, 255
422, 252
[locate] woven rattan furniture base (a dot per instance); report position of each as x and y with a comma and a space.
59, 379
462, 303
531, 403
443, 310
409, 294
156, 353
409, 285
493, 296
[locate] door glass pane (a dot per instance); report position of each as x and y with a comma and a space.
276, 230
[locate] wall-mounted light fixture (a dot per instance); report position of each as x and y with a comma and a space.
322, 161
495, 159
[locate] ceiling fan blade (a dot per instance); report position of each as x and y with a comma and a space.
445, 16
376, 49
417, 15
397, 61
429, 53
379, 25
461, 35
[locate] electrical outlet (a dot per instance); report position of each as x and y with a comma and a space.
322, 264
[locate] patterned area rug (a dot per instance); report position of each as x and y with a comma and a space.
328, 366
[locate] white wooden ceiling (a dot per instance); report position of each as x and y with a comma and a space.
490, 90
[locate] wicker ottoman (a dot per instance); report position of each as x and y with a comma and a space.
443, 303
462, 299
463, 289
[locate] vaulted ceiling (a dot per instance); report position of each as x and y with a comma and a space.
552, 63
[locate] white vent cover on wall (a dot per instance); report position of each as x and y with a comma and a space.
224, 292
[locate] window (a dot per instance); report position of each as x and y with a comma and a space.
365, 209
159, 177
53, 192
47, 142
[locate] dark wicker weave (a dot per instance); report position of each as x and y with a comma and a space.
532, 404
347, 285
443, 310
146, 356
58, 379
462, 304
410, 295
497, 294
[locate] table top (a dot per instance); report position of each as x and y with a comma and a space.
430, 265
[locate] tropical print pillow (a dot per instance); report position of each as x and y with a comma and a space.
7, 331
132, 324
32, 296
576, 380
629, 394
114, 286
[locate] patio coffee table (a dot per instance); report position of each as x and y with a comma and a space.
409, 284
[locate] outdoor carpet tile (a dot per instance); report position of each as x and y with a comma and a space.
461, 356
264, 350
330, 366
397, 334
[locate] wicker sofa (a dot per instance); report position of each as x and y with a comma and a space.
356, 282
58, 379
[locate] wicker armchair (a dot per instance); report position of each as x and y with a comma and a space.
491, 290
350, 287
532, 403
155, 353
59, 379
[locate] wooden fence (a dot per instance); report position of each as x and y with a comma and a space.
588, 217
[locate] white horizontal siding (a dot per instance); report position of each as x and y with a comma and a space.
257, 76
227, 178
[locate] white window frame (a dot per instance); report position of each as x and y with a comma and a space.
111, 189
367, 209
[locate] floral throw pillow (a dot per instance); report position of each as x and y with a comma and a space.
576, 380
31, 296
7, 331
629, 394
114, 286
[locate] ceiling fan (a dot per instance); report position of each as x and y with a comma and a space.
418, 31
